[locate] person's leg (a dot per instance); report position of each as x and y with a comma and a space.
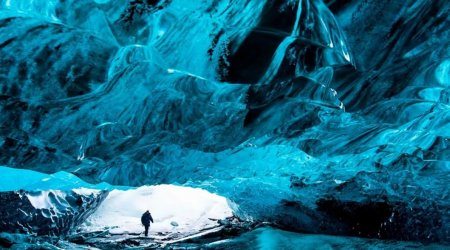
146, 230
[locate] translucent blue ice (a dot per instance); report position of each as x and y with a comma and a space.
293, 110
22, 179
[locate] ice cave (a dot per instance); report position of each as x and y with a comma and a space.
239, 124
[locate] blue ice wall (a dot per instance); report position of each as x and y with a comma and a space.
13, 179
294, 110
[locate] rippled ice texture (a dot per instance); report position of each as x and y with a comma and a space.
320, 116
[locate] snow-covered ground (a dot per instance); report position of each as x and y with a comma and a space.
174, 209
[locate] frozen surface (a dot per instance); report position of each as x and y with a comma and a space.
13, 179
270, 238
174, 210
51, 212
318, 116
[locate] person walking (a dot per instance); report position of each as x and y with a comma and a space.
146, 219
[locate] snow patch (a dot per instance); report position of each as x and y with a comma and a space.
191, 209
86, 191
55, 198
42, 200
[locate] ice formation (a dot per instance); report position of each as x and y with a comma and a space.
51, 212
321, 116
176, 209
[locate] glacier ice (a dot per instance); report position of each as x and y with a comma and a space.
270, 238
317, 116
51, 212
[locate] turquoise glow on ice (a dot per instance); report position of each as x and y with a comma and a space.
299, 112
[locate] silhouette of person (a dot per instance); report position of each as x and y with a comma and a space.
145, 219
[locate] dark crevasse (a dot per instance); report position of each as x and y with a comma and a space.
318, 116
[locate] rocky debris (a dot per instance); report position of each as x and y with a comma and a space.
27, 241
225, 228
130, 242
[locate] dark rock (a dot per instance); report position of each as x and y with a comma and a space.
130, 242
78, 239
5, 242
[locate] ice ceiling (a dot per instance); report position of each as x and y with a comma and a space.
319, 116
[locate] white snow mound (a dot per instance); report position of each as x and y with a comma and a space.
190, 208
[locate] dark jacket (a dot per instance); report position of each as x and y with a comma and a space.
146, 218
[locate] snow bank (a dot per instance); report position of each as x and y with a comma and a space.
43, 199
52, 198
174, 209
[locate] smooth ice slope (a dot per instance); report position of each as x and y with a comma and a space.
12, 179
